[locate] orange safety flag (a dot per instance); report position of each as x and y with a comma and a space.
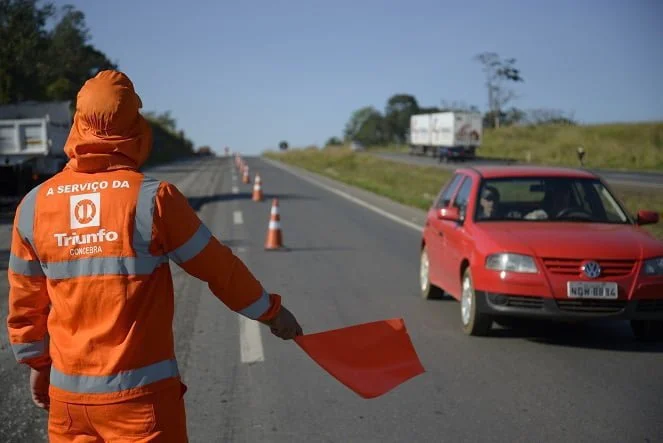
371, 359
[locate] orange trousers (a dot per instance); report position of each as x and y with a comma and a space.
158, 417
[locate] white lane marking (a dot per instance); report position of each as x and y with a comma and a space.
356, 200
237, 217
235, 189
250, 340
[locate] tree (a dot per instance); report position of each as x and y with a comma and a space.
42, 65
429, 110
545, 116
72, 60
163, 119
23, 45
39, 65
333, 141
458, 107
399, 109
367, 126
283, 145
498, 73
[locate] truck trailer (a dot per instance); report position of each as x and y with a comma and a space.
32, 139
446, 135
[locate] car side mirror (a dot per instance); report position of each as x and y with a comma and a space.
451, 214
647, 217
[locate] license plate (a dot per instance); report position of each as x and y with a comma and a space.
583, 289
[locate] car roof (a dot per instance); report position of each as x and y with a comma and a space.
509, 171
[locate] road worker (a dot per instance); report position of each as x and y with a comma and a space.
91, 300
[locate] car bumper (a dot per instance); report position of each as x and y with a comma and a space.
567, 309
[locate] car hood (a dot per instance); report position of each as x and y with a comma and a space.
572, 240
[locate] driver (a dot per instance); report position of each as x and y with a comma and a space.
561, 200
557, 199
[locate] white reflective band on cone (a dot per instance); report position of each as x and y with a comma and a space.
274, 225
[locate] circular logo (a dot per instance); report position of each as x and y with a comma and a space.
85, 211
591, 269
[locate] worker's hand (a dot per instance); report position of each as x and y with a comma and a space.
284, 325
40, 380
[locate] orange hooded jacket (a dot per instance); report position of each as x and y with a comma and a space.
91, 291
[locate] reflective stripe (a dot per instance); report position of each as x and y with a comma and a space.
26, 217
86, 267
30, 268
24, 351
257, 308
145, 215
193, 246
133, 378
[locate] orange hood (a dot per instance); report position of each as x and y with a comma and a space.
108, 130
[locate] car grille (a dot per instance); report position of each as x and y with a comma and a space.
650, 305
593, 306
609, 268
524, 302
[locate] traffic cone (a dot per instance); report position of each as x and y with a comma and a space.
257, 189
245, 178
274, 236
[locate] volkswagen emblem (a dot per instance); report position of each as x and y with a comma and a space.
591, 269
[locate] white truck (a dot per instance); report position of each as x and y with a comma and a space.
446, 135
32, 139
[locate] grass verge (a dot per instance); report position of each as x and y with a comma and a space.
417, 186
635, 146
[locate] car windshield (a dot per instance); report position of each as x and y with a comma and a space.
547, 199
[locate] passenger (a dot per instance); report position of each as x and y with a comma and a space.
489, 202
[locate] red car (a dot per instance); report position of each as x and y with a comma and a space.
540, 242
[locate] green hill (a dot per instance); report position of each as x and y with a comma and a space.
623, 146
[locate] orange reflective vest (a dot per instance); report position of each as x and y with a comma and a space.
91, 291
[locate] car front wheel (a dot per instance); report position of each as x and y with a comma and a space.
474, 322
428, 290
647, 330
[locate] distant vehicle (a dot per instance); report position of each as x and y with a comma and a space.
538, 242
205, 151
446, 135
357, 146
32, 139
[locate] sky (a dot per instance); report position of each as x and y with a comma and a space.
249, 74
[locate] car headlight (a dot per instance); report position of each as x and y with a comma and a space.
653, 266
511, 263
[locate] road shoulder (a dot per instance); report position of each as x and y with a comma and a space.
405, 215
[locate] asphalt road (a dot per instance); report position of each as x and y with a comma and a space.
346, 265
653, 180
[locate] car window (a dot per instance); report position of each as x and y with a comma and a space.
463, 197
448, 191
583, 199
521, 190
612, 210
551, 198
